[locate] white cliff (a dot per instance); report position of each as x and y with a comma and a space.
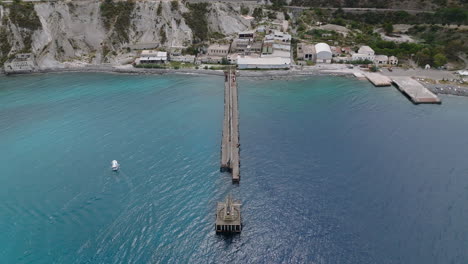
73, 32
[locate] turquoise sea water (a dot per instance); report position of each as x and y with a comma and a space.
333, 171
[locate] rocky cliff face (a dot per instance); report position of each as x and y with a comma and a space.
82, 32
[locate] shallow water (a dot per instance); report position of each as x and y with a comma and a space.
333, 171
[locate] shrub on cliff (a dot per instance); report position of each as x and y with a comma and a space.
197, 21
24, 16
118, 14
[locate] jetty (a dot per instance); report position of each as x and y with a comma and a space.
415, 91
230, 141
378, 79
228, 216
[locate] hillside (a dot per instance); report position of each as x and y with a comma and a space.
392, 4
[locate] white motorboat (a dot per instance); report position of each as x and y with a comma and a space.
115, 165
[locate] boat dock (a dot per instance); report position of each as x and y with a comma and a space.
415, 91
230, 141
228, 216
378, 79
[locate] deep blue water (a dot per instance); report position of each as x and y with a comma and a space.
333, 170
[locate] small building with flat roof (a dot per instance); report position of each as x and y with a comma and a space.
153, 56
366, 50
392, 60
381, 60
247, 34
21, 63
218, 50
306, 52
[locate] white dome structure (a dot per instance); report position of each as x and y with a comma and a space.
324, 53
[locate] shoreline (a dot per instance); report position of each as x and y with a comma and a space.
443, 89
144, 71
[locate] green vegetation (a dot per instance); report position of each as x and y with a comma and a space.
117, 14
278, 4
24, 16
456, 16
388, 28
245, 10
5, 46
448, 41
258, 14
159, 9
217, 35
174, 5
151, 66
196, 19
162, 33
378, 3
181, 65
439, 60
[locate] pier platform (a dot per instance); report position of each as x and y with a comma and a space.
378, 79
415, 91
228, 216
230, 146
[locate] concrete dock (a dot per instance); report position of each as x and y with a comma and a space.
415, 91
378, 79
230, 142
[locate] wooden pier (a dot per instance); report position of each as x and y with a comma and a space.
228, 216
415, 91
230, 141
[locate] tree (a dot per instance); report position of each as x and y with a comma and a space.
388, 28
245, 10
174, 5
258, 14
159, 10
439, 60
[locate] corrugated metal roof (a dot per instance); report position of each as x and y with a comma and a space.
320, 47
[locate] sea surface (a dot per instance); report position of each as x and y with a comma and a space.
333, 170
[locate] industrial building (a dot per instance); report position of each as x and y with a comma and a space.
247, 62
324, 53
152, 56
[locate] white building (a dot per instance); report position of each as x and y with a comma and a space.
366, 50
23, 62
381, 60
247, 34
324, 53
245, 62
279, 37
153, 56
392, 60
364, 53
183, 58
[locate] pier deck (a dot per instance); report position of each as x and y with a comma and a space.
416, 92
230, 141
378, 79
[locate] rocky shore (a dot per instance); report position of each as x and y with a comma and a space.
448, 89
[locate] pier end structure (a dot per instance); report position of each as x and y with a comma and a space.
228, 216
